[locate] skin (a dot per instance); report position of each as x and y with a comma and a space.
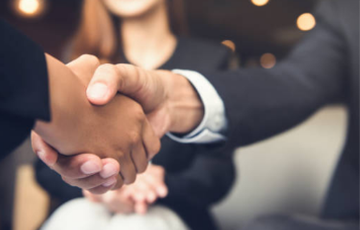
136, 197
169, 99
148, 42
79, 127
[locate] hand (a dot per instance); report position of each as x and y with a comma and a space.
115, 201
168, 99
147, 188
78, 127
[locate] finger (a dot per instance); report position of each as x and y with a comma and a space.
139, 157
44, 151
90, 182
146, 191
78, 166
128, 192
102, 188
151, 142
127, 169
139, 194
111, 168
84, 67
92, 197
141, 208
157, 187
119, 182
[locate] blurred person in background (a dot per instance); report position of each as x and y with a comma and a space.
323, 68
183, 182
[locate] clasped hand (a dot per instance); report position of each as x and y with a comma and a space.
136, 197
118, 135
118, 132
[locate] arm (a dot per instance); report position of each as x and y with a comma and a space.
76, 126
79, 127
23, 96
259, 103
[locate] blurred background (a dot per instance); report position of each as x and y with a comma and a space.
287, 174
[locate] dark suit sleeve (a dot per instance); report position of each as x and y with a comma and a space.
23, 87
208, 180
261, 103
211, 174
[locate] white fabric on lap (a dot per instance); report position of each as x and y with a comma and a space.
82, 214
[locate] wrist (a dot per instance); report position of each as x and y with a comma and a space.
185, 106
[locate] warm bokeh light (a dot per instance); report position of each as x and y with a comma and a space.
260, 2
30, 8
268, 60
229, 44
306, 22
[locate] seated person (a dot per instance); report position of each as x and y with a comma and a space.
147, 34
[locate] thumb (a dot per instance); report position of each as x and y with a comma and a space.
104, 84
145, 87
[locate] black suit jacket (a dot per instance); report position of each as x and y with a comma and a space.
196, 177
23, 87
322, 69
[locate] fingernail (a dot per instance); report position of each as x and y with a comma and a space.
109, 182
42, 156
108, 171
90, 167
97, 91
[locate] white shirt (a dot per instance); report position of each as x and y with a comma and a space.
214, 121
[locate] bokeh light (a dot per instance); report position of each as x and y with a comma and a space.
306, 22
230, 44
260, 2
268, 60
30, 8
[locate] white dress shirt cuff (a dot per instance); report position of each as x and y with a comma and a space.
214, 121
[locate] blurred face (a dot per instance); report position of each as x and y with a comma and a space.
131, 8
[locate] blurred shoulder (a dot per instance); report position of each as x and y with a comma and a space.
201, 54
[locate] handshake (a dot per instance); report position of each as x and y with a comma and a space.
107, 120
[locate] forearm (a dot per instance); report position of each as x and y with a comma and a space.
67, 98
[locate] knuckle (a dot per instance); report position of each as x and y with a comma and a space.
109, 68
134, 137
138, 112
91, 58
